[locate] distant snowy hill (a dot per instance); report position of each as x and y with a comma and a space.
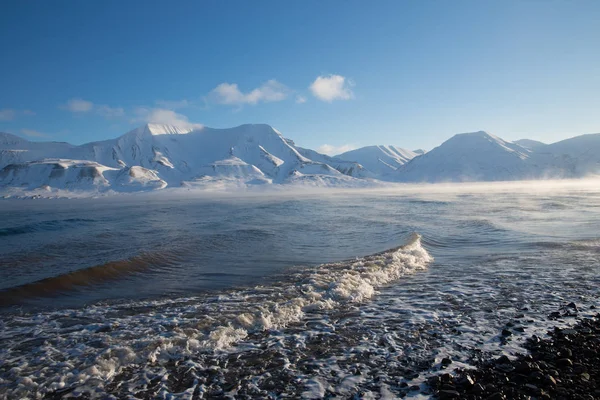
381, 161
477, 156
155, 156
529, 144
571, 158
481, 156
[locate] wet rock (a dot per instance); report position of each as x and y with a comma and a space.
506, 332
554, 315
478, 388
564, 362
446, 378
550, 380
490, 388
503, 360
446, 361
448, 394
532, 388
585, 376
466, 381
496, 396
506, 368
567, 353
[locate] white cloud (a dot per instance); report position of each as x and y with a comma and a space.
230, 94
32, 133
78, 106
164, 116
300, 99
7, 114
334, 150
331, 87
110, 112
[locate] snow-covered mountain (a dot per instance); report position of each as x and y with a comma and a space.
477, 156
381, 161
154, 156
157, 156
480, 156
570, 158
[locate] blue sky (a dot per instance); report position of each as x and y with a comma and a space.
338, 73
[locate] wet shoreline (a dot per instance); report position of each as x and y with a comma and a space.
565, 365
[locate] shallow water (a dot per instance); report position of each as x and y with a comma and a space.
251, 296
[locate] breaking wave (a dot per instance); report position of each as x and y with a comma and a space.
87, 276
81, 351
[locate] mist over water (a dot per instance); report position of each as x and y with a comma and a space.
298, 294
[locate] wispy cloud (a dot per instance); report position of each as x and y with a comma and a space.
334, 150
8, 114
81, 106
32, 133
78, 106
110, 112
332, 87
300, 99
230, 94
164, 116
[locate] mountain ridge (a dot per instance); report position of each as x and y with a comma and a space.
155, 156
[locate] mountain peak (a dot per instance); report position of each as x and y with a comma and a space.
7, 138
164, 129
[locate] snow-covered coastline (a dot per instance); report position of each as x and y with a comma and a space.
157, 157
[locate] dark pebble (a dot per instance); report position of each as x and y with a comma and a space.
448, 394
565, 365
503, 360
478, 388
564, 362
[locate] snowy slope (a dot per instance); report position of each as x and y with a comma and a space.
154, 156
382, 161
346, 167
14, 150
571, 158
529, 144
477, 156
64, 174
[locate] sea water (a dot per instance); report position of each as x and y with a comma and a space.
325, 294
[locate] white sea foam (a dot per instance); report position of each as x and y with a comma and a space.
78, 352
